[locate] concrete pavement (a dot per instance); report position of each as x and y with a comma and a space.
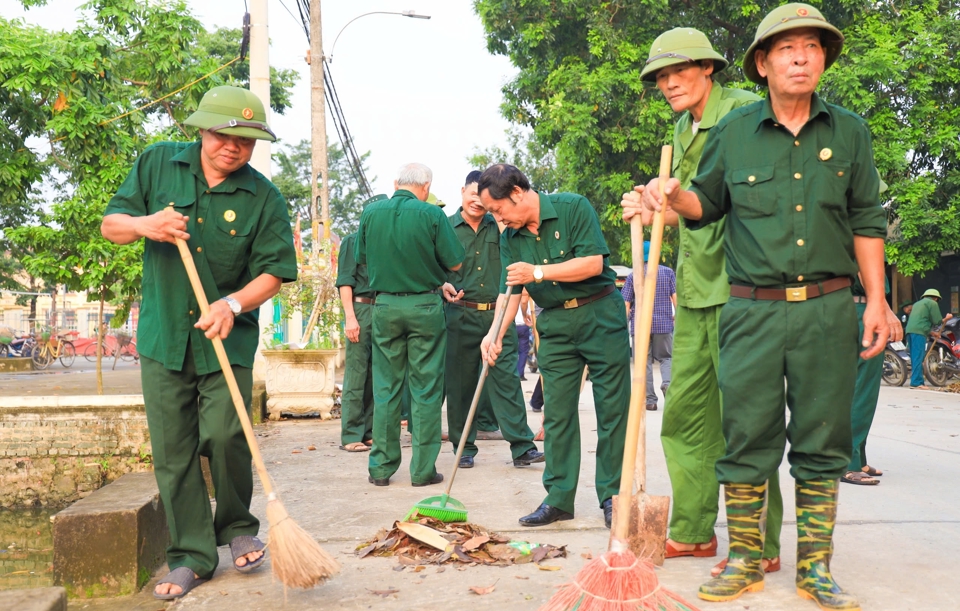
895, 546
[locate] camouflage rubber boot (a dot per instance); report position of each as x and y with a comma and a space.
743, 572
816, 517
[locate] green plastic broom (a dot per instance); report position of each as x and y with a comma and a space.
443, 507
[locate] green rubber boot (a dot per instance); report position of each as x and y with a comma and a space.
816, 517
743, 573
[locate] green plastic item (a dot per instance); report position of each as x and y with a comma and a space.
524, 547
441, 507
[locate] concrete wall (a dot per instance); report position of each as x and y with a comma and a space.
55, 450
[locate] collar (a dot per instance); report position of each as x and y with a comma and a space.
240, 179
817, 108
405, 194
710, 115
458, 219
547, 212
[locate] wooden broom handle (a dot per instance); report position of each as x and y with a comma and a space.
227, 369
635, 447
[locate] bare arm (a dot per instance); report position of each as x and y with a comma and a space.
574, 270
219, 320
632, 204
351, 327
164, 226
685, 203
876, 326
492, 344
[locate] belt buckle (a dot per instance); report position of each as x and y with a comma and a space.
798, 293
483, 307
570, 304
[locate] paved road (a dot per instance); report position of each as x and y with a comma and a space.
78, 379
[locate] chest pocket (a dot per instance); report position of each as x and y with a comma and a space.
491, 242
833, 181
753, 192
559, 248
228, 241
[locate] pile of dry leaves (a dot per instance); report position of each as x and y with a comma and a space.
430, 541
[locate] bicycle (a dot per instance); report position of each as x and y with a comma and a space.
50, 350
128, 349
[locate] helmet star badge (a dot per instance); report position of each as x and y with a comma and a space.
803, 12
247, 113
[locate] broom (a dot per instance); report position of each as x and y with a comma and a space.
443, 507
298, 561
618, 580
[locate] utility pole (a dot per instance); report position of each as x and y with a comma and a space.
318, 123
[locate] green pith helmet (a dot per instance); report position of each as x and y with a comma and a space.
791, 17
932, 293
232, 111
679, 46
436, 201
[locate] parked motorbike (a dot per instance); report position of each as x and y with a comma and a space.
19, 347
896, 364
942, 362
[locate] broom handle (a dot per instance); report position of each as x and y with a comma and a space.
636, 247
227, 369
497, 323
635, 447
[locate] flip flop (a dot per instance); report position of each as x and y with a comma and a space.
357, 446
241, 545
871, 471
180, 576
859, 478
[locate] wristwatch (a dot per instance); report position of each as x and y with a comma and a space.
538, 274
235, 306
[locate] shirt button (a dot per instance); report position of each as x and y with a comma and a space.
799, 208
797, 176
538, 239
799, 242
800, 278
751, 178
561, 252
200, 220
208, 191
170, 204
191, 312
544, 260
481, 285
233, 232
839, 173
796, 143
199, 249
479, 268
686, 254
554, 284
478, 252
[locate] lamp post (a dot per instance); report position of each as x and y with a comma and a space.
321, 192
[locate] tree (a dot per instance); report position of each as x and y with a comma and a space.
536, 161
293, 181
578, 91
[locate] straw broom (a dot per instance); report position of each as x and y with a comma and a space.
618, 580
297, 559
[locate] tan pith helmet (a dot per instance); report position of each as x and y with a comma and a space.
791, 17
233, 111
679, 46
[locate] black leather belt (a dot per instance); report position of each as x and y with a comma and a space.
582, 301
794, 293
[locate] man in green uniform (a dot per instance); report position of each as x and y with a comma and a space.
408, 247
795, 178
237, 227
924, 316
553, 246
682, 63
471, 294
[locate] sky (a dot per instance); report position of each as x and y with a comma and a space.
411, 89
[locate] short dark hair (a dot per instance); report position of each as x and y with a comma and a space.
500, 179
472, 177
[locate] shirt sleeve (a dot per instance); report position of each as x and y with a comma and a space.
865, 215
347, 263
272, 251
627, 291
671, 281
709, 184
933, 314
449, 250
131, 197
360, 250
506, 258
586, 237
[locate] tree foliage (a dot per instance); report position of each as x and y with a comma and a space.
293, 181
578, 91
525, 152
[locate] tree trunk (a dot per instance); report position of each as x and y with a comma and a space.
103, 293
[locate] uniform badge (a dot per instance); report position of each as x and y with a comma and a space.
556, 234
803, 12
825, 154
230, 216
247, 113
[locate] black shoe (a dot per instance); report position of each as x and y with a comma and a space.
466, 462
528, 458
523, 379
607, 507
536, 409
378, 481
651, 407
545, 514
663, 389
436, 480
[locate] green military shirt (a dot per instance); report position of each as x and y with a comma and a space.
569, 228
480, 275
701, 278
793, 203
238, 230
348, 272
407, 245
924, 316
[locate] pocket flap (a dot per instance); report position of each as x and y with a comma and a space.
752, 176
178, 201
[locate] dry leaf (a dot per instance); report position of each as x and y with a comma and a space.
519, 577
482, 591
311, 448
475, 543
223, 593
544, 567
296, 452
539, 553
382, 593
60, 103
363, 553
586, 556
440, 569
418, 568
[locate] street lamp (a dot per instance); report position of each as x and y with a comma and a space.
410, 13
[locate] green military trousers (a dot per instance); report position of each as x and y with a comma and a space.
189, 416
865, 396
466, 328
409, 339
356, 403
691, 434
594, 335
812, 346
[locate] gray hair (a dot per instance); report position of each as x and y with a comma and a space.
414, 174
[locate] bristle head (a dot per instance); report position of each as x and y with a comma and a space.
447, 514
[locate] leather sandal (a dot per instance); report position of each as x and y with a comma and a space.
769, 565
871, 471
859, 478
356, 446
701, 550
